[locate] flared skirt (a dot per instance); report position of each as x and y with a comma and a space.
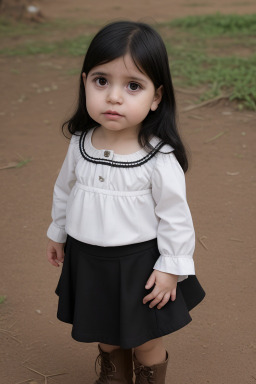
101, 291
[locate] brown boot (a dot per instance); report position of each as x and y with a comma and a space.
150, 375
116, 366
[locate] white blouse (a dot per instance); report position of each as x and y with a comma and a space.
106, 199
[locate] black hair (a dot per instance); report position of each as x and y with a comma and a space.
149, 54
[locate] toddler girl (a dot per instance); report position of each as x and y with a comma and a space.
121, 223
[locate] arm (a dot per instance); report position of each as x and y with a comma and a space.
63, 186
175, 235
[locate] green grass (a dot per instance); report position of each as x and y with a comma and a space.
216, 51
198, 56
217, 25
231, 75
2, 299
75, 47
9, 28
22, 163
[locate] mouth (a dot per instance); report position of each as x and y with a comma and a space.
112, 114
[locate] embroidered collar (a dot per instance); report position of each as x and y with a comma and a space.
114, 163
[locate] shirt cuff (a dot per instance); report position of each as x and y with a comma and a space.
56, 233
177, 265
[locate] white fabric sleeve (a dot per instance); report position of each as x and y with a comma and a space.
61, 192
175, 235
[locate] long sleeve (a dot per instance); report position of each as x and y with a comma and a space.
175, 234
62, 189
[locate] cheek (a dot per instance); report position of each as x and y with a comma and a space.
142, 106
91, 106
138, 114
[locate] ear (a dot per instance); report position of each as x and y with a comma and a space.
84, 78
157, 98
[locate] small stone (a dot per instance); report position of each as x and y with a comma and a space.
243, 133
32, 9
38, 311
39, 90
50, 102
46, 121
54, 87
47, 89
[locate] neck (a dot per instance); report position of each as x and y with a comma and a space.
122, 142
118, 136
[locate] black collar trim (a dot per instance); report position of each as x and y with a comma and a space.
112, 163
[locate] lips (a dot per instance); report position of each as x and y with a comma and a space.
114, 113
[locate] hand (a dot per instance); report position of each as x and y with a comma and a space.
165, 288
55, 253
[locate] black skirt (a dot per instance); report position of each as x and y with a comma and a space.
101, 291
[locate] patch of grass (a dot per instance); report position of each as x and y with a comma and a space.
2, 299
232, 75
72, 47
217, 25
9, 28
22, 163
196, 59
15, 71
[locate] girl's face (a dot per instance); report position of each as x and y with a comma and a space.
118, 95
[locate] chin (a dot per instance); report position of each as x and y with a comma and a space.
112, 127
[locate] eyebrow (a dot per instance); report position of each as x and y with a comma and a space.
128, 77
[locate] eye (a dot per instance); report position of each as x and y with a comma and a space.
133, 86
101, 81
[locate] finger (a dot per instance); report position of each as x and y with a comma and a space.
165, 300
60, 254
53, 261
151, 296
157, 300
173, 294
51, 256
151, 281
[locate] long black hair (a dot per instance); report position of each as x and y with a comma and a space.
148, 52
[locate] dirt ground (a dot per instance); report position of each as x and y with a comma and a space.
219, 345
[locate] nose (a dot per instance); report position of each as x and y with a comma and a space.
114, 95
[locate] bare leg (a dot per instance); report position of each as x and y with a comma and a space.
108, 348
152, 352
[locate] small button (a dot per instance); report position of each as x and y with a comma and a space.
107, 153
101, 178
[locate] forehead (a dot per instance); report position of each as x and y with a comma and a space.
122, 66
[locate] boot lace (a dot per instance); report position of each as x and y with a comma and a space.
145, 373
107, 368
